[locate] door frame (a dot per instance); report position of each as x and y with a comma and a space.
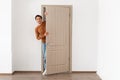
70, 34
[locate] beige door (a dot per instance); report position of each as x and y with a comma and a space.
58, 40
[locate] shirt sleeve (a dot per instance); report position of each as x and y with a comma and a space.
37, 34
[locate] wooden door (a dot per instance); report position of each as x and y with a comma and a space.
58, 40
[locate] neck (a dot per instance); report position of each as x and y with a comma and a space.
39, 24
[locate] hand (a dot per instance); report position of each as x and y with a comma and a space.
46, 33
46, 13
38, 37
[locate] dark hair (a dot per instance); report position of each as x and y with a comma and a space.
38, 16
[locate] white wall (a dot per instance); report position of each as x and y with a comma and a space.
5, 37
109, 40
26, 49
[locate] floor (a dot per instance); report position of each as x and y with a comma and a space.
38, 76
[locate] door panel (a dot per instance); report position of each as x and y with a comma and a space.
57, 24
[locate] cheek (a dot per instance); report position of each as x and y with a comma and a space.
38, 20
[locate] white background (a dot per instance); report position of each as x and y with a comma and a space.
85, 34
109, 40
26, 49
5, 37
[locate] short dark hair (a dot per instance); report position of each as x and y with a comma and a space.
38, 16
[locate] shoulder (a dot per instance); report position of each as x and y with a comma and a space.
36, 27
44, 22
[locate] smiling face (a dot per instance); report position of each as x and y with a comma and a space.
38, 20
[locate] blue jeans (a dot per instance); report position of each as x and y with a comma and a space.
44, 55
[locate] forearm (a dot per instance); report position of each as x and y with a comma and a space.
41, 36
38, 38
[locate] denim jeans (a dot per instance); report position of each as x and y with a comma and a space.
44, 55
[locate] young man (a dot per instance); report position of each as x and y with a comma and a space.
40, 32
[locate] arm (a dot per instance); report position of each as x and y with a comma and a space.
37, 34
46, 33
41, 36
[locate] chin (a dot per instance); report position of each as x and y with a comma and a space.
39, 22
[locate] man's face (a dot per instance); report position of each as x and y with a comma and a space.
38, 20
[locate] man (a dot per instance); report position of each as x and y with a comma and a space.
40, 32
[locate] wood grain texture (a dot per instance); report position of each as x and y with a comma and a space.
59, 41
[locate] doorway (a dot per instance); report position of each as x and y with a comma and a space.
59, 40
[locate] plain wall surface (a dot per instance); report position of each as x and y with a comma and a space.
5, 37
27, 50
109, 40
